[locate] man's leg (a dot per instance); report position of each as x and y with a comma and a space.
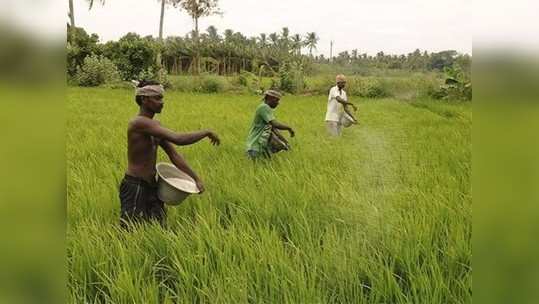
154, 208
333, 128
157, 212
130, 194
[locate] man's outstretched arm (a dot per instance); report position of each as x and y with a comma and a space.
153, 128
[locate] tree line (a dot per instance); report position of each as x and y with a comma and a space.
232, 52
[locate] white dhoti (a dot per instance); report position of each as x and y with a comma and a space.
334, 127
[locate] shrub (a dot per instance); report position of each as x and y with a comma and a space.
368, 87
79, 46
291, 77
159, 75
182, 83
453, 91
211, 84
457, 85
132, 55
319, 85
249, 80
96, 71
375, 89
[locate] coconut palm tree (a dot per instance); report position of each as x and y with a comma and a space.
212, 33
91, 3
71, 12
274, 38
228, 46
354, 54
284, 34
285, 41
197, 9
297, 43
311, 40
263, 39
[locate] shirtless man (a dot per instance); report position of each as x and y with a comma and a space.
138, 189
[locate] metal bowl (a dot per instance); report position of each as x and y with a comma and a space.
173, 185
347, 120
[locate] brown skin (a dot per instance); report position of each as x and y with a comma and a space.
341, 85
273, 102
144, 135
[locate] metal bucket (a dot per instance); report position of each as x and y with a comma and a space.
277, 142
347, 120
173, 185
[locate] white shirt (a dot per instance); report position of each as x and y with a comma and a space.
335, 109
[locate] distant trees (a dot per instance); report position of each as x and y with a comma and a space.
79, 46
416, 61
230, 52
197, 9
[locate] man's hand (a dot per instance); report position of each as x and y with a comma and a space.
292, 133
200, 186
214, 138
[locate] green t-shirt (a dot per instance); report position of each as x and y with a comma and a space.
259, 133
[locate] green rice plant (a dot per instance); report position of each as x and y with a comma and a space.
381, 215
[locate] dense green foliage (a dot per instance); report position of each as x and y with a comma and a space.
96, 71
278, 56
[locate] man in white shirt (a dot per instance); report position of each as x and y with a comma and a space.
337, 101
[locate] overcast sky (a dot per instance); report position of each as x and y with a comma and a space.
392, 26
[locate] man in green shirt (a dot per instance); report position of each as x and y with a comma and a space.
263, 123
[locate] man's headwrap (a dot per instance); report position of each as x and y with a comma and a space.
273, 93
340, 78
149, 90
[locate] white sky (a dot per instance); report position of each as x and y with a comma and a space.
392, 26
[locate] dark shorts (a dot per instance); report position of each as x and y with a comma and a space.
139, 201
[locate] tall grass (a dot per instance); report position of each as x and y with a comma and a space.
381, 215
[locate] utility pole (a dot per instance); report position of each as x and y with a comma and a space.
331, 51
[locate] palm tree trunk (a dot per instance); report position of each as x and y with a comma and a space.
197, 53
71, 13
159, 55
160, 20
224, 65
